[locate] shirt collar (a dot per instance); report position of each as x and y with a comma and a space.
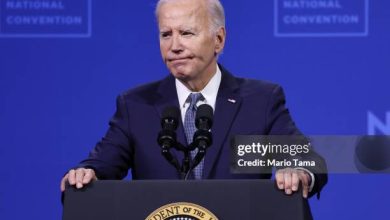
209, 92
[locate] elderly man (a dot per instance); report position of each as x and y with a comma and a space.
192, 35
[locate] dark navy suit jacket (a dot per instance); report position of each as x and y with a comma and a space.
131, 140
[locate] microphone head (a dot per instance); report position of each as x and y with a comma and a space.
170, 117
204, 117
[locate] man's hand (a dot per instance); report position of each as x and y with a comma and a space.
288, 179
78, 178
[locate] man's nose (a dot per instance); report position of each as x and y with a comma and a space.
176, 46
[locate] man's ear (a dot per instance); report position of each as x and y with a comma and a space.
220, 40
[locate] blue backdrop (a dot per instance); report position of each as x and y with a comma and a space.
59, 77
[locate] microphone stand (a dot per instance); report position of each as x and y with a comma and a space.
186, 162
201, 141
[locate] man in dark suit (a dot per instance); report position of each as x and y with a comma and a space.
192, 35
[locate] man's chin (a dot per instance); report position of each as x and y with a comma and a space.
181, 76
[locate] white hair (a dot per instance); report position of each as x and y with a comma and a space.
215, 8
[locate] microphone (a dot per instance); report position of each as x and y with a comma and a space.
204, 117
170, 118
167, 136
203, 122
202, 137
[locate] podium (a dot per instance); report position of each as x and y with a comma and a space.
164, 199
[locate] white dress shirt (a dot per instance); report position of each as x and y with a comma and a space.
209, 93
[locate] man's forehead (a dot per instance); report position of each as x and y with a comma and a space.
183, 2
180, 9
182, 18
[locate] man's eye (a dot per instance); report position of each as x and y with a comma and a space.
165, 34
187, 33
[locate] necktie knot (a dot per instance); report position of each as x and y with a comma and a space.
194, 98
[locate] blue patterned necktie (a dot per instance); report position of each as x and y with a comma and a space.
190, 128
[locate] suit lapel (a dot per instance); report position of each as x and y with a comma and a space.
167, 96
227, 105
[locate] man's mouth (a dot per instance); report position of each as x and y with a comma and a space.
179, 59
176, 62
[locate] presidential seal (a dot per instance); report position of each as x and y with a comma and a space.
181, 211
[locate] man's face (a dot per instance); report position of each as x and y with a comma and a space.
187, 45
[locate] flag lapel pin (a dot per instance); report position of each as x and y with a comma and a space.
232, 101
